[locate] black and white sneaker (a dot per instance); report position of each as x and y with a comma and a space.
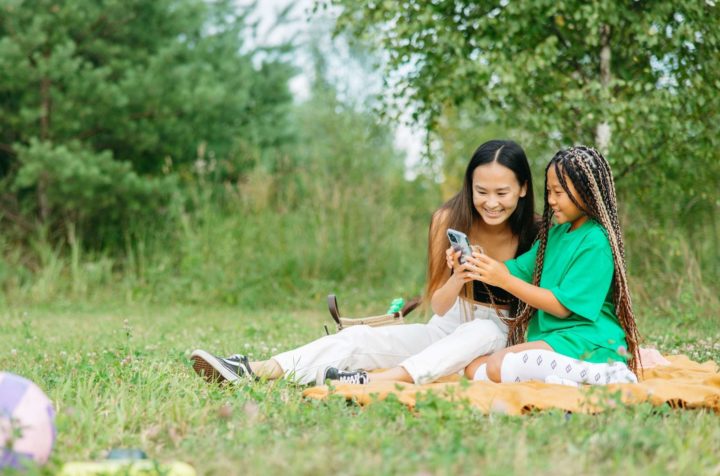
220, 369
356, 377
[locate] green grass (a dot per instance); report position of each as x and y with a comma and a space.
119, 377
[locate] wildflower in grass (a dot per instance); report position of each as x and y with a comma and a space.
252, 410
225, 411
152, 433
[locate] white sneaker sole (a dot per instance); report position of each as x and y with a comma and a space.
210, 368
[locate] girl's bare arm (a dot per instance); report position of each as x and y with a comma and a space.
496, 273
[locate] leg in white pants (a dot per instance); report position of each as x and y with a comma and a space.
454, 352
358, 347
369, 348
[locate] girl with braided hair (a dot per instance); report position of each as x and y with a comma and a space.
577, 315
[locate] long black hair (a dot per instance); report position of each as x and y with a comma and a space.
459, 212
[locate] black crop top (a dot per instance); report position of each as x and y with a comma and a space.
480, 294
499, 295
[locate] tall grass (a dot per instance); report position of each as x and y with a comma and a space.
335, 239
363, 239
673, 279
236, 254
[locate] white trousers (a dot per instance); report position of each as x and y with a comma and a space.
445, 345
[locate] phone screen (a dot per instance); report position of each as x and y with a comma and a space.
459, 241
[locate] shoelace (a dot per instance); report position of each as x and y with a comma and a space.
358, 378
239, 361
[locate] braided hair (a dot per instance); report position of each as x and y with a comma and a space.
590, 174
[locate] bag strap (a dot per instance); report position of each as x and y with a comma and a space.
335, 312
410, 306
333, 306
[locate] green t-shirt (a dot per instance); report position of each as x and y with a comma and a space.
578, 269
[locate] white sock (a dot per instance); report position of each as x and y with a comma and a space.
481, 374
539, 364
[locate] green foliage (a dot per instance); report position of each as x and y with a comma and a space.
89, 191
157, 87
333, 213
170, 168
542, 61
561, 71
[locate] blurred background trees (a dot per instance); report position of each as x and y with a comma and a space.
102, 100
151, 151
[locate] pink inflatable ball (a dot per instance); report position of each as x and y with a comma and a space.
27, 423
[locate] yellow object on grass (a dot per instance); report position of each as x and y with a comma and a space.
128, 467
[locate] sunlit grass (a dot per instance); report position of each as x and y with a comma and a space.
119, 377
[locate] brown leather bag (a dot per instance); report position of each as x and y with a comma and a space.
391, 319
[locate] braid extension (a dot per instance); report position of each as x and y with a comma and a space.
621, 293
591, 176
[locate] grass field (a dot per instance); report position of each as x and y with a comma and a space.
120, 377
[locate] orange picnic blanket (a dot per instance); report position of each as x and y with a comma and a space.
681, 383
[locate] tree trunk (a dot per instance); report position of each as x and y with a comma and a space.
603, 132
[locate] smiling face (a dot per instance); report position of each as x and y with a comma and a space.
564, 209
496, 192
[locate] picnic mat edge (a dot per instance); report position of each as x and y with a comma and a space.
682, 384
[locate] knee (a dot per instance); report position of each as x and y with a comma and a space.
489, 330
494, 366
351, 339
489, 334
471, 369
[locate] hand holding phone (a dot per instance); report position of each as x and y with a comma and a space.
459, 242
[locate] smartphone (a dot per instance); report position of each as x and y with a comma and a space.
459, 241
